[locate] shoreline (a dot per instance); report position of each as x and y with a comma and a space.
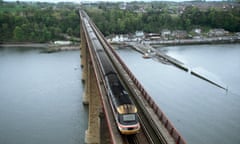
34, 45
56, 48
215, 40
200, 41
47, 47
52, 47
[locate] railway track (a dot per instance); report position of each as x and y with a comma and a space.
132, 139
146, 136
149, 134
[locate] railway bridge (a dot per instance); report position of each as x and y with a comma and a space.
156, 128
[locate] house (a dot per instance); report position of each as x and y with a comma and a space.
197, 31
62, 42
166, 34
139, 34
180, 34
153, 36
217, 32
123, 6
120, 38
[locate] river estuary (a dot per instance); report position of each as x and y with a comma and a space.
41, 94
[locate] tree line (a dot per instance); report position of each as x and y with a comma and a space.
22, 22
116, 21
43, 22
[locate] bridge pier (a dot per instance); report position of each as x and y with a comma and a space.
87, 81
92, 134
84, 65
83, 48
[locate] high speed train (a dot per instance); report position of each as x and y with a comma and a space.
125, 112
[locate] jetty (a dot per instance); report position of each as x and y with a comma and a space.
161, 57
166, 59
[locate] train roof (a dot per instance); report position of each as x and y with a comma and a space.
120, 95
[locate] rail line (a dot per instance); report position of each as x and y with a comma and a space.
115, 138
150, 133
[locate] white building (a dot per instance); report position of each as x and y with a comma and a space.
119, 38
139, 34
62, 42
197, 31
217, 32
165, 33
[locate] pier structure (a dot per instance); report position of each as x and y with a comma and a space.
166, 59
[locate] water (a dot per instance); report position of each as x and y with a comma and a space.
41, 94
41, 97
222, 61
202, 112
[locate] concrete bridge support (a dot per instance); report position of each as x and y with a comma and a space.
92, 134
83, 48
84, 65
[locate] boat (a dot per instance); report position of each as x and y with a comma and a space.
146, 55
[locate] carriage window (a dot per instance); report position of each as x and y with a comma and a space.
129, 117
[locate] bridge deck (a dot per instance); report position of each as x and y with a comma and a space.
156, 128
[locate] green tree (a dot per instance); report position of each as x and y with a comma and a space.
18, 33
70, 31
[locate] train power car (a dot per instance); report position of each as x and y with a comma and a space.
125, 110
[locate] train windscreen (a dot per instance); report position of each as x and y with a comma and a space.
129, 117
